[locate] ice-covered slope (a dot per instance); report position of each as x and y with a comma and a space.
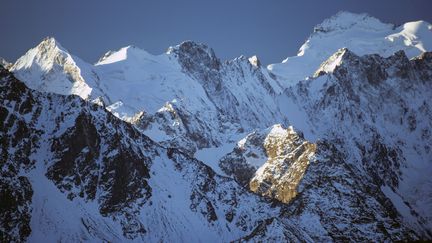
360, 33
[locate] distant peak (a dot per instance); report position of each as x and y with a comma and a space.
44, 55
345, 20
122, 54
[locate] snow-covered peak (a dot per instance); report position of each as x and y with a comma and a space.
50, 67
43, 55
346, 20
360, 33
125, 53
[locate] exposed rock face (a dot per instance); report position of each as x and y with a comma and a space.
80, 148
15, 208
279, 178
271, 162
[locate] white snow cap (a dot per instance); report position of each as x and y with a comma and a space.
124, 53
361, 34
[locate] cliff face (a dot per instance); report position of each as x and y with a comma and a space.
271, 162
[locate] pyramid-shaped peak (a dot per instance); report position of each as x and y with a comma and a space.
45, 54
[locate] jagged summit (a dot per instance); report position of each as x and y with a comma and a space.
193, 54
43, 55
50, 67
191, 48
51, 42
345, 63
335, 60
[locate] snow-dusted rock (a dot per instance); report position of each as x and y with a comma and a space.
72, 171
355, 165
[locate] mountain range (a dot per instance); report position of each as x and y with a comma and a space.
333, 144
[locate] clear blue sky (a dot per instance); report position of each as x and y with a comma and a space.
271, 29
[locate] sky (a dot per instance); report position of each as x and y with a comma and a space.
271, 29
